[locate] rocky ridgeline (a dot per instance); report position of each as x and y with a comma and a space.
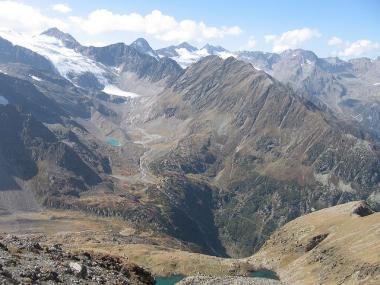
24, 260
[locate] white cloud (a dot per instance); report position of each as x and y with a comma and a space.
251, 44
157, 24
269, 38
291, 39
358, 48
25, 18
335, 41
62, 8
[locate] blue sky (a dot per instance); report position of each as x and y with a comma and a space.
345, 28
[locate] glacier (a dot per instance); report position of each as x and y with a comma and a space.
67, 61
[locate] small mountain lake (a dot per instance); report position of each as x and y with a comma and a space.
170, 280
264, 273
113, 142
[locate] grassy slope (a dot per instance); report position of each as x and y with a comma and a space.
349, 255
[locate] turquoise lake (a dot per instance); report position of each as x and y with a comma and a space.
113, 142
264, 273
169, 280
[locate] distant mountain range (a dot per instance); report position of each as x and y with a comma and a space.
348, 88
217, 155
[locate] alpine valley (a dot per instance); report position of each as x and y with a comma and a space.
121, 163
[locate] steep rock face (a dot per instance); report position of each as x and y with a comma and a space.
188, 214
273, 155
112, 55
22, 93
31, 153
19, 132
87, 80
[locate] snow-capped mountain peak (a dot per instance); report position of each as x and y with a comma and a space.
187, 46
142, 46
68, 40
214, 49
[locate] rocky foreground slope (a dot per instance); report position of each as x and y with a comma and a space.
23, 260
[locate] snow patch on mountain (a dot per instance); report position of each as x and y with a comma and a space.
186, 57
35, 78
3, 101
114, 90
376, 84
225, 54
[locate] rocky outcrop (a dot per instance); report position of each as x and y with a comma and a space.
314, 241
363, 209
